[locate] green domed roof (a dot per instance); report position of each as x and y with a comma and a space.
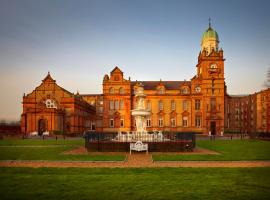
210, 33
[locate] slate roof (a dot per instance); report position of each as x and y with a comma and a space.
169, 85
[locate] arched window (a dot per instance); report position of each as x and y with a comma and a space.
111, 91
185, 90
121, 90
161, 91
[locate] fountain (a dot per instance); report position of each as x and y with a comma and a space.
123, 141
140, 113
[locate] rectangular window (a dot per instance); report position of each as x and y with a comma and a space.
121, 104
197, 104
160, 105
93, 126
185, 121
111, 123
116, 105
173, 122
185, 105
160, 122
148, 122
122, 124
213, 104
198, 121
111, 105
100, 109
148, 105
173, 105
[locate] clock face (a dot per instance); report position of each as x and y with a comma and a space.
213, 68
197, 89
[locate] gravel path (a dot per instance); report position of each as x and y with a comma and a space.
136, 160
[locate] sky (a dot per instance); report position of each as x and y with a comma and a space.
80, 41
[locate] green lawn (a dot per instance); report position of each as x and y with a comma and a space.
40, 142
229, 150
32, 149
165, 183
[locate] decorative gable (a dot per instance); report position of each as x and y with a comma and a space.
116, 74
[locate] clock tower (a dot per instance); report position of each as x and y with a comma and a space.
210, 71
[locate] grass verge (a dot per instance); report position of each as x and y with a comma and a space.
235, 150
101, 183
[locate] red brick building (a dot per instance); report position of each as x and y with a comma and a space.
52, 108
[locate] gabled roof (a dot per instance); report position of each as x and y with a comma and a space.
48, 78
116, 69
169, 85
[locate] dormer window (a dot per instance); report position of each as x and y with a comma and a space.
161, 91
184, 90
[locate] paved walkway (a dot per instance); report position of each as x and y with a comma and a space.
136, 160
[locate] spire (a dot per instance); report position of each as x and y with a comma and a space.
209, 22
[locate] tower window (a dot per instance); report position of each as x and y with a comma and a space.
197, 104
213, 104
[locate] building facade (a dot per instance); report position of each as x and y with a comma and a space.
199, 105
184, 106
51, 108
248, 113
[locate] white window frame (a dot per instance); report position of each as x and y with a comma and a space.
173, 105
160, 105
116, 105
122, 122
148, 122
185, 121
148, 105
121, 90
111, 104
173, 122
185, 104
111, 123
111, 90
160, 122
121, 104
198, 121
197, 104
